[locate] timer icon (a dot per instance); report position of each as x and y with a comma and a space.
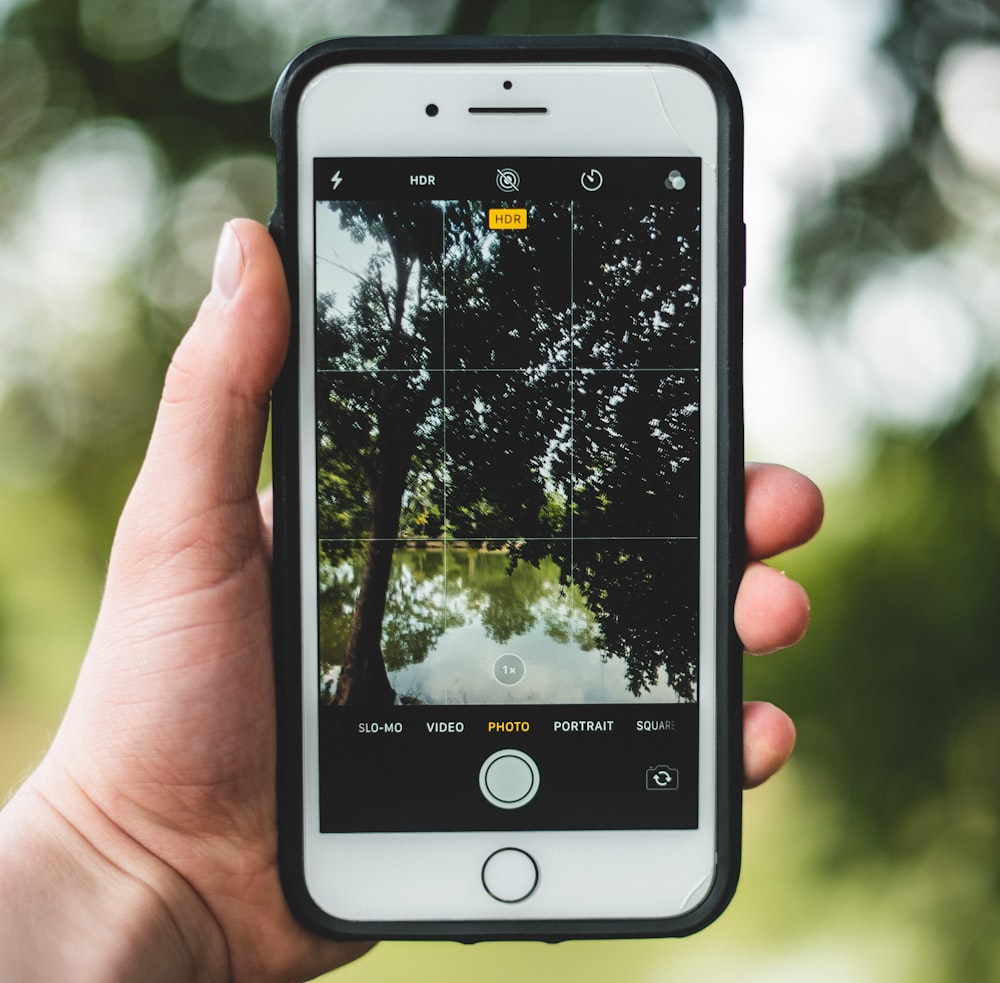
591, 180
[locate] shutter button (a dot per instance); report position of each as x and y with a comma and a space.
508, 779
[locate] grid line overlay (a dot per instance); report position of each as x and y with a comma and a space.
570, 377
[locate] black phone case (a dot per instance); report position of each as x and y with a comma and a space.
286, 580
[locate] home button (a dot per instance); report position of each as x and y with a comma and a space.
510, 875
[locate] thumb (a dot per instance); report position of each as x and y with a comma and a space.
209, 433
194, 506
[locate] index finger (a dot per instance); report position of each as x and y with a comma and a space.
784, 509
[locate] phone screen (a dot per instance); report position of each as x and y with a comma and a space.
508, 515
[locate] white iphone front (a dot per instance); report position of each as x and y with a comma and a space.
508, 469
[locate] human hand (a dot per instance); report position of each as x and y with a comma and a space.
161, 779
153, 813
784, 509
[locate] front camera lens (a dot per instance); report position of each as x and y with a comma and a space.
431, 110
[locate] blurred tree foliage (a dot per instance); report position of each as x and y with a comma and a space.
906, 201
898, 699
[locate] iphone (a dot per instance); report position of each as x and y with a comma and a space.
508, 487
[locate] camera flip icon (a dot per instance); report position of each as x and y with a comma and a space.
661, 778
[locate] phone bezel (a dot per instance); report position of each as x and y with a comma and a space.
286, 222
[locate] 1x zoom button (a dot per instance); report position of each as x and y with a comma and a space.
508, 779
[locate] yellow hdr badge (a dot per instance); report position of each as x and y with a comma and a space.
508, 218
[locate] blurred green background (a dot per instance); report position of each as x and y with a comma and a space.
130, 130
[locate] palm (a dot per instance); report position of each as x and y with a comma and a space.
172, 729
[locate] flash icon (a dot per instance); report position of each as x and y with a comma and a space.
336, 180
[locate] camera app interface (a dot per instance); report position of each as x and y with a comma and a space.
507, 393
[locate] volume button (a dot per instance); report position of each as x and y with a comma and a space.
744, 254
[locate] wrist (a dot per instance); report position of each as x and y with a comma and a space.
81, 900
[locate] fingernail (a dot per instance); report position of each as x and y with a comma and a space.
228, 270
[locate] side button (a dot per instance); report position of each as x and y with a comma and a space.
510, 875
744, 254
276, 226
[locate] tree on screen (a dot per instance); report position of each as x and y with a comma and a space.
471, 422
